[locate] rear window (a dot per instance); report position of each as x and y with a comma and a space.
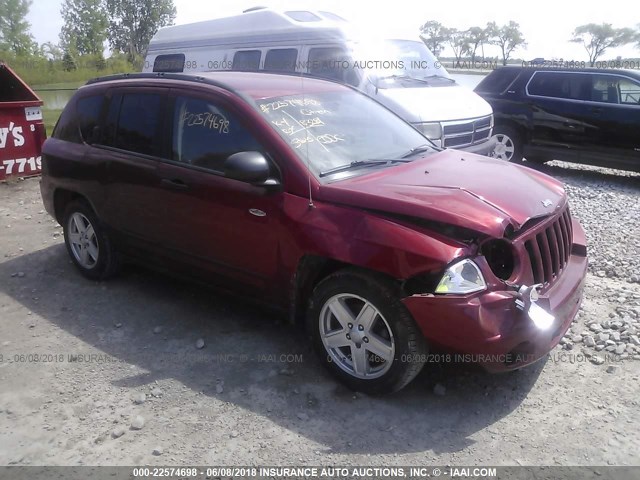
88, 111
574, 86
498, 80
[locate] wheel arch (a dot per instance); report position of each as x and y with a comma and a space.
63, 197
311, 270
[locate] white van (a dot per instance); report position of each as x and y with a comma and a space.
400, 73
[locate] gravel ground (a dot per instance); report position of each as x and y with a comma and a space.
149, 370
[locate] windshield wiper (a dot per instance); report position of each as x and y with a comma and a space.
416, 150
426, 79
361, 164
404, 77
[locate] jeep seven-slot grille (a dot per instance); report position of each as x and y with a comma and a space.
467, 133
550, 248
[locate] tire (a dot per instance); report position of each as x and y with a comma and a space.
87, 242
508, 144
346, 347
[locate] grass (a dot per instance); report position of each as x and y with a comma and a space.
50, 118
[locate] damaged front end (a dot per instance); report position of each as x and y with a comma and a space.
516, 296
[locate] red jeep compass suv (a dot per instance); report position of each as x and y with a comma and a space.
309, 195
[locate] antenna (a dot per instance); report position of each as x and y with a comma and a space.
306, 137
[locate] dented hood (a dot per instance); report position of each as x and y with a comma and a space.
457, 188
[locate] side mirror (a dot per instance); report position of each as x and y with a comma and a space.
250, 167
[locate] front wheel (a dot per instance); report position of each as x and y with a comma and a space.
364, 334
508, 144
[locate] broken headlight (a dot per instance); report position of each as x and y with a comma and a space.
461, 278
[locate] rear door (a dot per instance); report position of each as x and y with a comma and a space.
131, 143
614, 110
558, 104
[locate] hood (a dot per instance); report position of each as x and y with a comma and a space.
456, 188
441, 103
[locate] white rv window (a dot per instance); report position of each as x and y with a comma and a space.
334, 63
173, 63
247, 60
303, 16
281, 60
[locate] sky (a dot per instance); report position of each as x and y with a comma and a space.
547, 25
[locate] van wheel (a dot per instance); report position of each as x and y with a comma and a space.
363, 333
87, 243
508, 144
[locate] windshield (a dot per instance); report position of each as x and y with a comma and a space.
401, 58
333, 129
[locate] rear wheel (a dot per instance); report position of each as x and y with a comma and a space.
87, 242
364, 334
508, 144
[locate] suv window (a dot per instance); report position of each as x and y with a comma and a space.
133, 122
559, 84
78, 124
615, 89
498, 80
282, 60
248, 60
88, 111
205, 135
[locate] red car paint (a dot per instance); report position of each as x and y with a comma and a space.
406, 221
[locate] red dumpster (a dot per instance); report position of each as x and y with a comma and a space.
22, 130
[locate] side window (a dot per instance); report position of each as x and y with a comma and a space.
629, 91
498, 80
281, 60
559, 85
205, 135
615, 89
88, 110
172, 63
333, 63
133, 122
248, 60
67, 126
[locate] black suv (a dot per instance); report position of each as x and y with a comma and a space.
587, 115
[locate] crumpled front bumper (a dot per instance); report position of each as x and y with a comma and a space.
489, 329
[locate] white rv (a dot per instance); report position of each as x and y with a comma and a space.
400, 73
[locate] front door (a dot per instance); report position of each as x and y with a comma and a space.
215, 223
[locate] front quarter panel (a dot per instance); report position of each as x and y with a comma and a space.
363, 239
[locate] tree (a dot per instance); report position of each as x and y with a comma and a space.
50, 51
14, 27
507, 37
458, 42
85, 26
597, 38
434, 35
68, 62
476, 37
134, 22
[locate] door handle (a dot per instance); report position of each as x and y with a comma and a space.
174, 183
596, 110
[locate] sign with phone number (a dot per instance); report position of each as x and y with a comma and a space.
21, 166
